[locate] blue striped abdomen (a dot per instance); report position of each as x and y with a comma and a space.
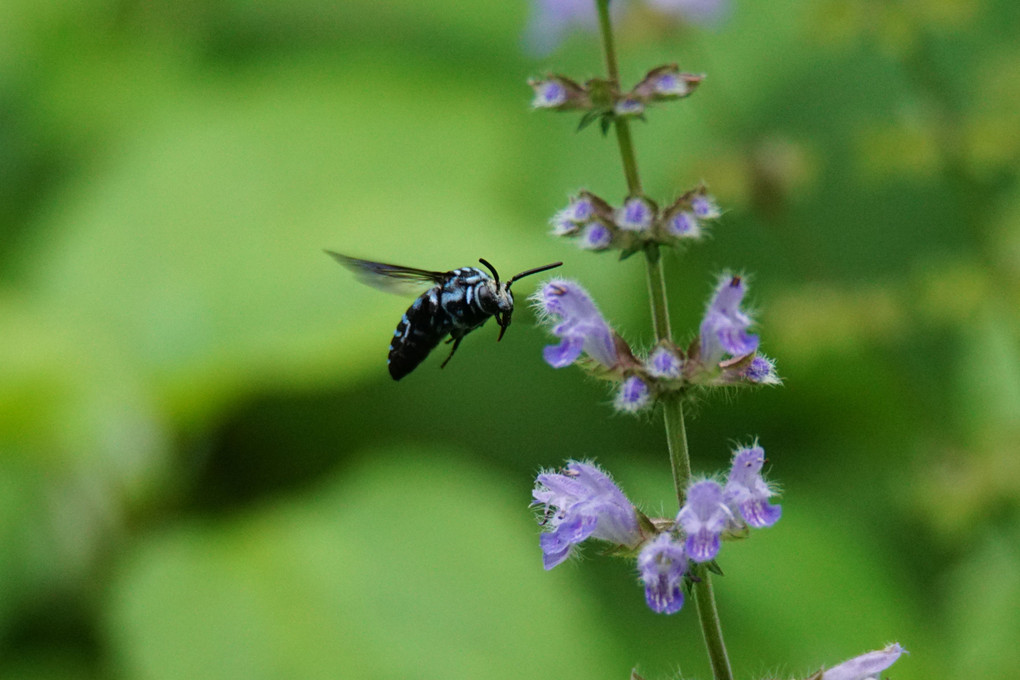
422, 327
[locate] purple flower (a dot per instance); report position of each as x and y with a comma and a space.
683, 225
635, 215
762, 371
747, 492
633, 395
549, 94
581, 209
724, 328
596, 236
664, 364
704, 207
629, 106
703, 518
582, 502
563, 225
568, 221
665, 83
866, 665
670, 84
662, 563
581, 326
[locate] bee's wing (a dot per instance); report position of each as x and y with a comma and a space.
391, 278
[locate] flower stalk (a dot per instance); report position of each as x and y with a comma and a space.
622, 124
676, 432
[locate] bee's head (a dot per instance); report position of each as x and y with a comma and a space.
496, 298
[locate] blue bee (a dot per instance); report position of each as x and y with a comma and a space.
458, 302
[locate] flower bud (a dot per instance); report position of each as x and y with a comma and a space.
666, 83
637, 214
629, 107
633, 396
663, 363
558, 93
596, 236
683, 224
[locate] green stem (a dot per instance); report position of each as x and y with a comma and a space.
623, 137
710, 627
657, 293
673, 408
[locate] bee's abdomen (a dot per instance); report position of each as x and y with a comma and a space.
422, 327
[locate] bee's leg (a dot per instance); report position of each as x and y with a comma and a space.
456, 344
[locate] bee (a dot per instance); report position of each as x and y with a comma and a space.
458, 302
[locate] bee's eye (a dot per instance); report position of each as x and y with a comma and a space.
487, 299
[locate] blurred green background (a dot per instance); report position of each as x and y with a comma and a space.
205, 471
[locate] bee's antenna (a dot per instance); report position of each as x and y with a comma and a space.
492, 269
536, 270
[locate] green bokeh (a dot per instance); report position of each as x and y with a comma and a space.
205, 471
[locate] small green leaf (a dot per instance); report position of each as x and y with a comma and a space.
588, 118
606, 123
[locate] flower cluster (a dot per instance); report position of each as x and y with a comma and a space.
582, 502
596, 225
603, 100
724, 354
672, 555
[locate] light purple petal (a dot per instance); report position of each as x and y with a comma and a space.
565, 353
582, 502
724, 328
703, 518
580, 321
703, 545
759, 513
867, 665
747, 492
557, 543
662, 563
